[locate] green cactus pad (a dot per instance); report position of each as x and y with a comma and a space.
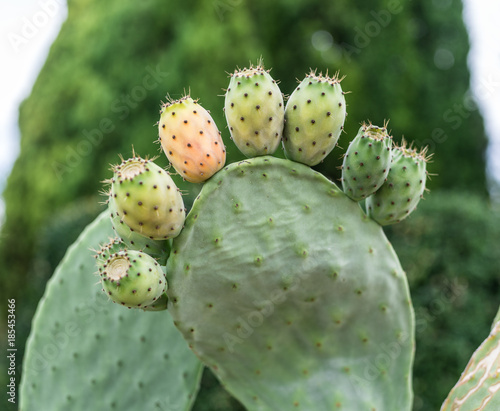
254, 111
478, 389
366, 162
291, 294
404, 187
314, 118
85, 353
147, 199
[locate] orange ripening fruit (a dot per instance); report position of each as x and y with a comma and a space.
190, 139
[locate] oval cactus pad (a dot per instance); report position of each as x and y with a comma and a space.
85, 353
291, 294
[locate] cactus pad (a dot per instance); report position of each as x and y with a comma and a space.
291, 294
87, 354
478, 389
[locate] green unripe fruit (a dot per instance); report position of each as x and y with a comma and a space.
147, 199
314, 118
130, 278
254, 111
366, 162
157, 249
403, 189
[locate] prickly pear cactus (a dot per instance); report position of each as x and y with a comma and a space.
146, 199
478, 389
191, 140
130, 277
291, 294
366, 162
398, 197
254, 111
87, 354
158, 249
314, 118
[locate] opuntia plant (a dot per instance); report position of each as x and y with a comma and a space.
276, 279
314, 118
191, 140
366, 162
254, 111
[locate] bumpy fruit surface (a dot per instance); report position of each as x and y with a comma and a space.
254, 111
158, 249
366, 162
190, 139
147, 199
403, 188
130, 278
314, 118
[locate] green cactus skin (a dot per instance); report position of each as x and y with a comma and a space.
147, 199
291, 294
191, 140
157, 249
254, 111
84, 353
478, 389
314, 118
130, 278
403, 189
366, 162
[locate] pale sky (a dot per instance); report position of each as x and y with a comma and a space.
28, 28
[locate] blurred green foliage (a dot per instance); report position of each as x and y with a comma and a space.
99, 91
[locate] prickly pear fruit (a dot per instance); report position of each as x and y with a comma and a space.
191, 140
314, 118
403, 189
147, 199
254, 111
131, 278
366, 162
157, 249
